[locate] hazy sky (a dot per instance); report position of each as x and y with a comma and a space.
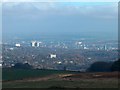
33, 18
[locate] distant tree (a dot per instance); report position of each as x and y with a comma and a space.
64, 68
22, 66
100, 67
116, 66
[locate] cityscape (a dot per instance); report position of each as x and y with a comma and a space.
74, 55
59, 44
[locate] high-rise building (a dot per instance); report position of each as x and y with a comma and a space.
33, 44
104, 47
38, 43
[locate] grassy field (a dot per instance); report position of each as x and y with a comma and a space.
20, 78
83, 83
17, 74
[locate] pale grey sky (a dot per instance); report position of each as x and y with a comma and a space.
60, 17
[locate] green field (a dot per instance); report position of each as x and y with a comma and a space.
17, 74
84, 83
25, 78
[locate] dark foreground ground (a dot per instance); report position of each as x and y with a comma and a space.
66, 80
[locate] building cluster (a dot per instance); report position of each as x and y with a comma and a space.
55, 58
35, 43
72, 45
32, 44
97, 46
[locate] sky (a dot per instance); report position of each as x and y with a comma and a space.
60, 0
29, 19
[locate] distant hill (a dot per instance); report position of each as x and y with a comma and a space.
22, 66
100, 67
116, 66
104, 66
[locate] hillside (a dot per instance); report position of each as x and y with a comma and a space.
58, 79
